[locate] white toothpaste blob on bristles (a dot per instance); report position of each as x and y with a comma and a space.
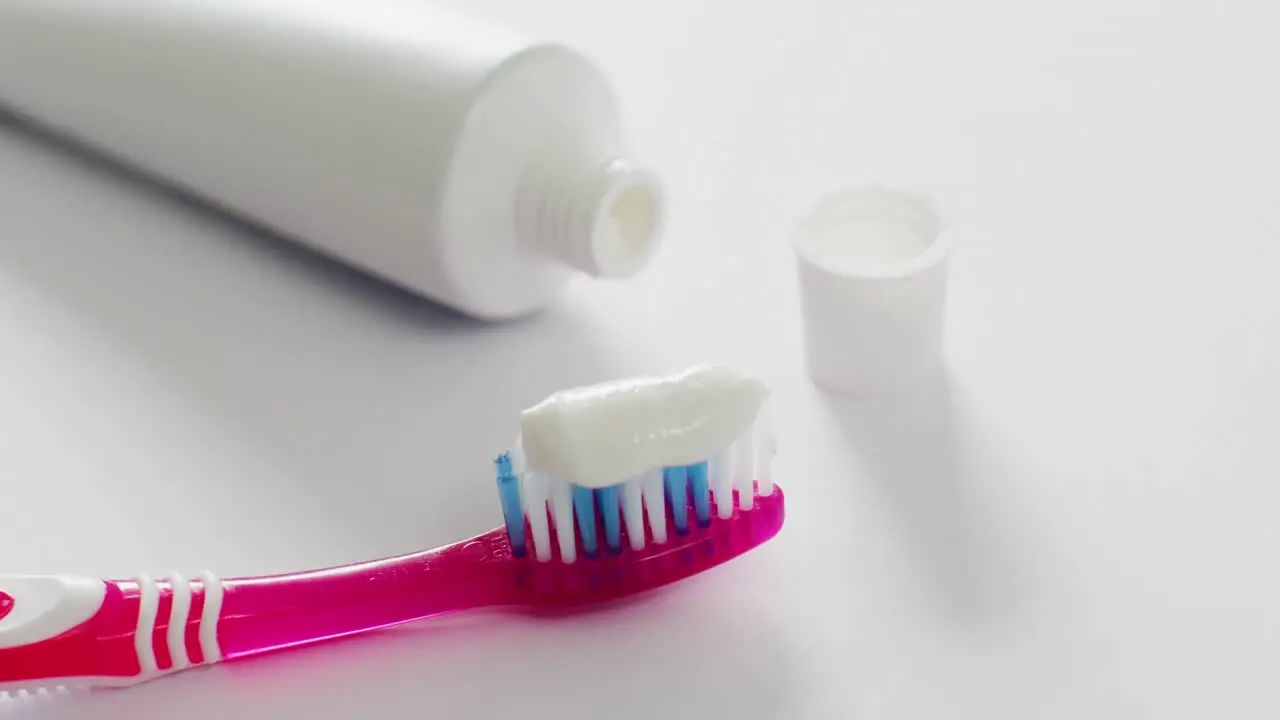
601, 435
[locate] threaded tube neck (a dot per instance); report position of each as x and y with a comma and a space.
604, 219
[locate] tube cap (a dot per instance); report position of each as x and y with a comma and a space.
872, 266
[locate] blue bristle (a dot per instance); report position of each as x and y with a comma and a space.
701, 492
512, 506
609, 510
678, 496
584, 508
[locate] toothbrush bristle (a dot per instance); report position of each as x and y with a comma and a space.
655, 503
552, 519
609, 509
513, 511
701, 492
562, 515
744, 471
722, 484
677, 480
584, 510
633, 512
538, 512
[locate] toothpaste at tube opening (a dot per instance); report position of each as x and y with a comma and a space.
604, 434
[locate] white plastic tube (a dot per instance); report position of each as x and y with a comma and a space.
461, 162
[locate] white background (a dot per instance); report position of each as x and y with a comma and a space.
1082, 524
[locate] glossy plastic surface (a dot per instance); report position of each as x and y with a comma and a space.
269, 613
101, 646
43, 606
556, 585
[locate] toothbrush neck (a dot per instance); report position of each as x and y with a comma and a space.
270, 613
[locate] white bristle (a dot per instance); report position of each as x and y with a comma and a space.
552, 509
720, 477
744, 471
764, 475
633, 511
518, 462
562, 511
655, 503
766, 448
534, 490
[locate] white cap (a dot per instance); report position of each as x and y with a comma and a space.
873, 276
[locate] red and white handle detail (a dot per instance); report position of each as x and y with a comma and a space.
43, 607
76, 632
73, 631
154, 641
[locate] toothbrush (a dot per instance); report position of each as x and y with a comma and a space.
563, 544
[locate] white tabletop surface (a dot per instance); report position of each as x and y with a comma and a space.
1083, 524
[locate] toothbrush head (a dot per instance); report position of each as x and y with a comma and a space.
625, 486
574, 545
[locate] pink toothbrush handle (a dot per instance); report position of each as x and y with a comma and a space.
57, 630
270, 613
70, 631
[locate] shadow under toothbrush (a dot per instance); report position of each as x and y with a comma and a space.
924, 458
678, 657
361, 401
